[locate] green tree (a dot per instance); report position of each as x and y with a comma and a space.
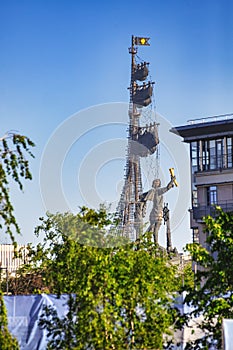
212, 296
186, 276
87, 227
7, 341
13, 165
120, 296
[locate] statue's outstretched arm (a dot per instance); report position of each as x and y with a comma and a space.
170, 184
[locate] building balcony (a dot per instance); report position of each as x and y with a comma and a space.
204, 210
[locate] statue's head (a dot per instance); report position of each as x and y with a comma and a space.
156, 183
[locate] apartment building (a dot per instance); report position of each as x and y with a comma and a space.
211, 160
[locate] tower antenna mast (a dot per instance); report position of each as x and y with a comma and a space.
142, 141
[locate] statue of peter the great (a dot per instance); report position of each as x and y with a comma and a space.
156, 196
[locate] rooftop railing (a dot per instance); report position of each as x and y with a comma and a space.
211, 119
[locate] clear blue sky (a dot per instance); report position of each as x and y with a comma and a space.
59, 57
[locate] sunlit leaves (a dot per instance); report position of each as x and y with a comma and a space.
120, 297
13, 164
7, 341
213, 292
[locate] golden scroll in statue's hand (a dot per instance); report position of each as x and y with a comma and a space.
173, 176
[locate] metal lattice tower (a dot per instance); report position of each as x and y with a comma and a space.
142, 142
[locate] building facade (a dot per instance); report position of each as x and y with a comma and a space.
211, 155
8, 262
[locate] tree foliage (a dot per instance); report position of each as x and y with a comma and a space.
14, 165
7, 341
187, 277
120, 296
212, 296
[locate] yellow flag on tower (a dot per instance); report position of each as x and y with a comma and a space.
141, 41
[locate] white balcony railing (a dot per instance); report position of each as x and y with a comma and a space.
211, 119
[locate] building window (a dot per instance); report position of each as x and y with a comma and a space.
194, 198
195, 235
212, 152
194, 156
219, 153
229, 152
205, 155
211, 195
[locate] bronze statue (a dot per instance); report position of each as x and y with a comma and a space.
156, 196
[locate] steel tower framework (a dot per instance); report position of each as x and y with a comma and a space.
142, 142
